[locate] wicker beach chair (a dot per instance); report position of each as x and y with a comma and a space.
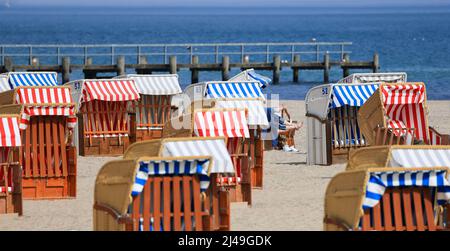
47, 155
222, 170
388, 199
154, 108
106, 119
153, 194
243, 92
397, 114
399, 156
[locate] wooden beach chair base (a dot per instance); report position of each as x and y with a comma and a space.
105, 146
53, 187
142, 135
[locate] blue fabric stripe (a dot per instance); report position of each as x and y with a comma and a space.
352, 95
32, 79
233, 89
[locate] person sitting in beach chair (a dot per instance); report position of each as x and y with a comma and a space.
286, 129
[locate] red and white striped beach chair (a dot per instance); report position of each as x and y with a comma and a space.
397, 114
105, 124
232, 124
10, 173
47, 155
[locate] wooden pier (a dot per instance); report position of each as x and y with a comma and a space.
223, 60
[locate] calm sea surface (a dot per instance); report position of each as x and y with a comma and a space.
414, 40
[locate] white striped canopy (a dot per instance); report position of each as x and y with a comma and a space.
9, 132
17, 79
214, 147
256, 112
148, 168
389, 77
161, 84
228, 123
420, 157
45, 101
109, 90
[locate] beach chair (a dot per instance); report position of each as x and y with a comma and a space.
222, 170
47, 155
232, 124
106, 119
388, 199
251, 75
154, 108
386, 77
10, 169
244, 93
397, 114
332, 124
399, 156
153, 194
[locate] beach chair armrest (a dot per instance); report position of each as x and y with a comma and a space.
340, 224
120, 218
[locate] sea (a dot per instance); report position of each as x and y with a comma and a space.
415, 40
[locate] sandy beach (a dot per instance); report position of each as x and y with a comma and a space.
292, 198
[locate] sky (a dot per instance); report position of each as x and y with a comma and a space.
228, 3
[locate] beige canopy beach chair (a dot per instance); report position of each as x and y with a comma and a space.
153, 194
388, 199
222, 167
154, 107
399, 156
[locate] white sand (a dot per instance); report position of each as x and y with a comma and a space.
292, 198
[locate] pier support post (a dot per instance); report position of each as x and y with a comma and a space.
8, 64
346, 70
120, 65
173, 64
295, 70
87, 73
194, 71
376, 63
65, 69
142, 60
326, 68
225, 68
276, 69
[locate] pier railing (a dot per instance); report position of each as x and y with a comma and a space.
96, 60
160, 53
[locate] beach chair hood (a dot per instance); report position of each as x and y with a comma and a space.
155, 84
229, 123
388, 77
399, 156
9, 126
320, 99
12, 80
193, 146
41, 101
251, 75
109, 90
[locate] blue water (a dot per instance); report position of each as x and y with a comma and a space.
414, 40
